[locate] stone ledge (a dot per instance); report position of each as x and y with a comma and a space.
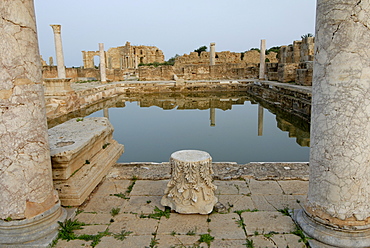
69, 142
222, 171
74, 191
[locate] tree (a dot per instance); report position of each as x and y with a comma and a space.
306, 35
171, 61
201, 49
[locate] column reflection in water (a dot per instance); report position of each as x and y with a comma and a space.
212, 112
106, 112
260, 120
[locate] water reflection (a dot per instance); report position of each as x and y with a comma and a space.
152, 126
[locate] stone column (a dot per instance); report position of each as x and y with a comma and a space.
51, 62
337, 211
212, 54
59, 51
262, 60
28, 201
260, 120
103, 74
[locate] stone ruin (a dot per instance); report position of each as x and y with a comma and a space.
125, 57
295, 63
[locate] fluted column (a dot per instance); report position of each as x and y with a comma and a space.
337, 211
262, 60
59, 51
103, 74
27, 198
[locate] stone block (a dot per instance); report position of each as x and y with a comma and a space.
57, 86
75, 142
74, 190
287, 72
82, 153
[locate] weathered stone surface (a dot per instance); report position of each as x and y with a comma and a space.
57, 86
82, 152
26, 188
190, 189
77, 141
338, 195
183, 224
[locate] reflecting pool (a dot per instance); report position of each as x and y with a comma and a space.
231, 127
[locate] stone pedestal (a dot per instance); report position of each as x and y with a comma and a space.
59, 50
82, 151
28, 202
57, 86
337, 211
190, 190
262, 60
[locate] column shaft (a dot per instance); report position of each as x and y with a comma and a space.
103, 74
262, 60
212, 54
59, 51
339, 190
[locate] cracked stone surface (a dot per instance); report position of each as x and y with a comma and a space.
340, 132
26, 187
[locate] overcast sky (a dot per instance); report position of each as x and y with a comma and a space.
175, 27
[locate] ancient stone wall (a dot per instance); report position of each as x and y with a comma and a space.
295, 63
252, 56
126, 56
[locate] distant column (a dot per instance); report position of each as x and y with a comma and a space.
260, 120
106, 112
262, 60
27, 198
59, 51
212, 54
103, 74
337, 211
51, 61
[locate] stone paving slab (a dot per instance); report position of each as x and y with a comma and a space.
183, 224
224, 226
142, 204
246, 195
231, 187
267, 221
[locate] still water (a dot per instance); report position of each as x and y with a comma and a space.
232, 128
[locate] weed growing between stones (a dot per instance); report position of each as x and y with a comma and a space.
241, 223
206, 238
284, 211
120, 195
67, 228
115, 211
157, 214
122, 235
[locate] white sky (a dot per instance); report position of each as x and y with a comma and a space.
175, 27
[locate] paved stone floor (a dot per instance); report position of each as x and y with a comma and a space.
128, 213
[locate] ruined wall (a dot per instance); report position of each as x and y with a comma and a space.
82, 74
295, 63
125, 57
193, 58
199, 72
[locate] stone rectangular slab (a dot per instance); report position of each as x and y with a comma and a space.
74, 190
77, 141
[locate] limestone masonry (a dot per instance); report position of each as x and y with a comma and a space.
292, 64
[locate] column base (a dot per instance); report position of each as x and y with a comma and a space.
325, 236
39, 231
